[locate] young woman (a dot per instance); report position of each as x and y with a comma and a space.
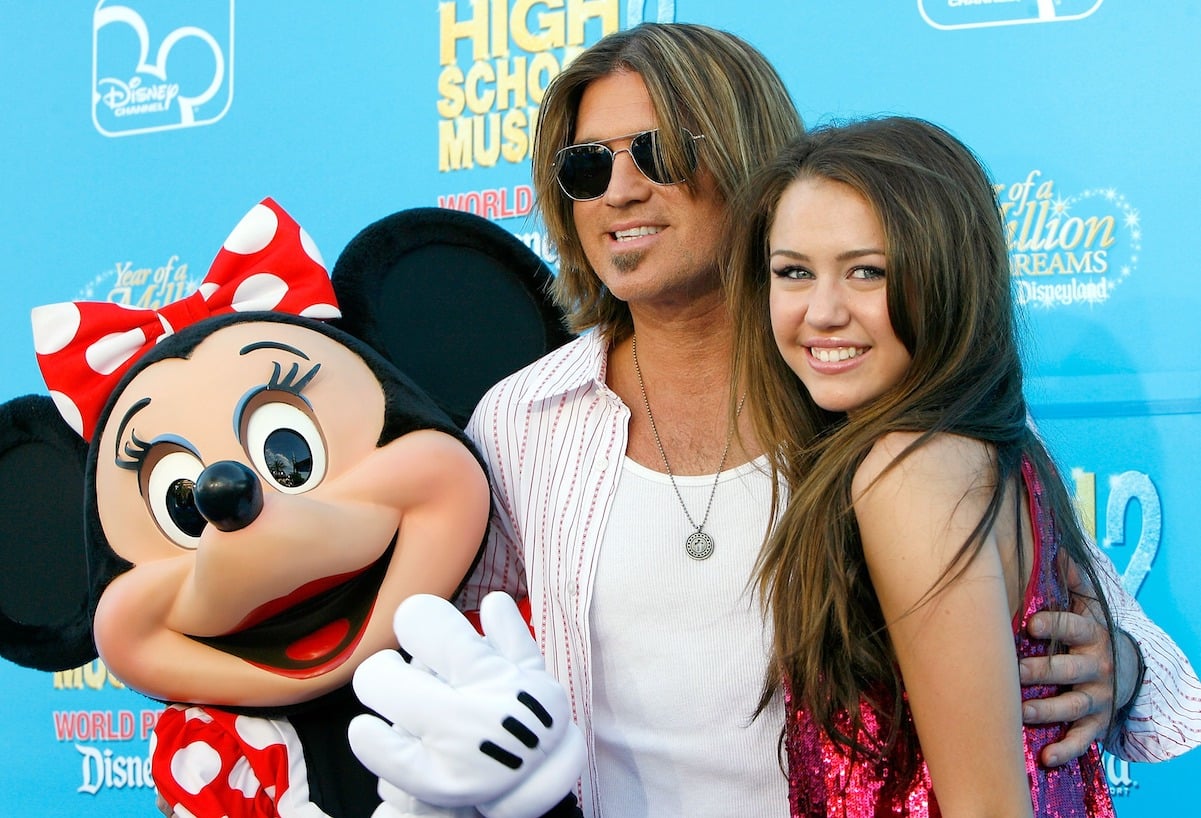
925, 520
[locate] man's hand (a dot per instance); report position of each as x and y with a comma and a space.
1088, 669
472, 721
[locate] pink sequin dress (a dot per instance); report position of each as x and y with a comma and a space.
828, 779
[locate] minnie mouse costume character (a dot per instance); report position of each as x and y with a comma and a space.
227, 499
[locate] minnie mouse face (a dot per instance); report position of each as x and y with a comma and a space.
270, 534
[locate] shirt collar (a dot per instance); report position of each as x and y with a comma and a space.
577, 365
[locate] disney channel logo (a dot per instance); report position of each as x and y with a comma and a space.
160, 65
958, 14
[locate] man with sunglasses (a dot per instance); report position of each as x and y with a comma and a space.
641, 141
630, 498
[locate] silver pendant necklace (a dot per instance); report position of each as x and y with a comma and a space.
699, 545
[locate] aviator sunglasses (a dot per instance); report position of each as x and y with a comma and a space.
584, 170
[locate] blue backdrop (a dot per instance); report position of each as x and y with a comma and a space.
136, 134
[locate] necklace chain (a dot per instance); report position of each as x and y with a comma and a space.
699, 544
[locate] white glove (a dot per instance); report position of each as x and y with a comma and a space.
473, 721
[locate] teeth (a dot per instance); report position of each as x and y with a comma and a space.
831, 355
625, 235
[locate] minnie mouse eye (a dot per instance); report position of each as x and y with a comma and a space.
170, 495
286, 447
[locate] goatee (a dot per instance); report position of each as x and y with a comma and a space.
627, 262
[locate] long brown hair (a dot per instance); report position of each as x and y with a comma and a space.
950, 303
701, 79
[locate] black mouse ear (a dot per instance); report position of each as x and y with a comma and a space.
455, 301
44, 615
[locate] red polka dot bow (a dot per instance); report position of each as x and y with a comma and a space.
268, 262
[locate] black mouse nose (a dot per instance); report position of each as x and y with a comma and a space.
229, 495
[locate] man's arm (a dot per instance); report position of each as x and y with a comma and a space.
1158, 692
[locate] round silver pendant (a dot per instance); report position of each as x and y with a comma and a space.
699, 545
